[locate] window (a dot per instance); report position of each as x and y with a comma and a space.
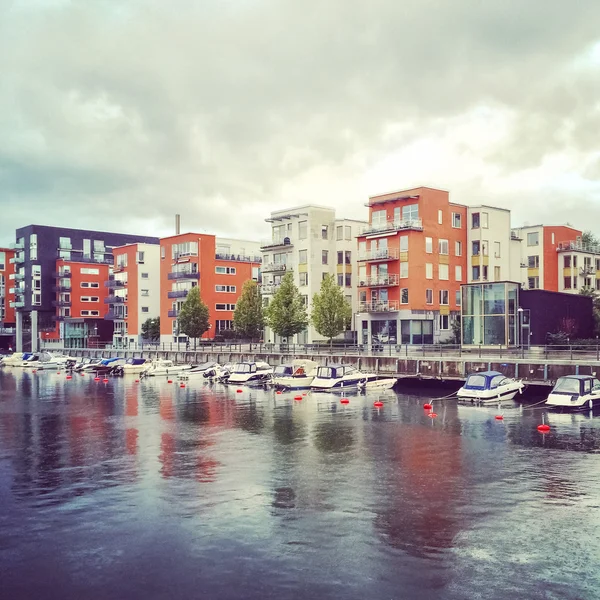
225, 270
497, 249
348, 257
184, 249
348, 279
428, 245
340, 279
476, 274
485, 247
85, 284
533, 262
98, 246
121, 261
324, 257
33, 253
37, 284
89, 271
476, 248
443, 246
64, 243
324, 232
302, 257
223, 306
404, 296
443, 272
475, 221
324, 276
458, 248
378, 218
575, 262
303, 278
484, 220
533, 239
575, 282
409, 213
2, 261
533, 283
340, 258
339, 232
484, 272
144, 275
145, 293
36, 298
458, 297
428, 270
145, 309
162, 251
458, 273
497, 274
302, 230
428, 296
567, 262
33, 240
456, 220
444, 297
403, 270
140, 258
440, 216
226, 288
348, 232
403, 243
444, 323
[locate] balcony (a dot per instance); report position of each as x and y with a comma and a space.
17, 276
179, 275
177, 294
577, 247
62, 274
73, 257
17, 304
114, 316
388, 281
115, 299
60, 317
115, 283
269, 288
238, 258
17, 260
277, 243
378, 307
17, 246
378, 256
17, 291
61, 303
587, 271
61, 288
172, 314
276, 268
375, 228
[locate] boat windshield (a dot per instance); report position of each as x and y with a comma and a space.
244, 368
566, 385
282, 370
326, 373
475, 382
498, 381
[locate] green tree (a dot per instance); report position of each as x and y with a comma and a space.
248, 318
286, 314
151, 329
590, 239
193, 316
590, 292
456, 330
331, 313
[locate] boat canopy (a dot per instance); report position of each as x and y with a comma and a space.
136, 361
108, 361
281, 370
485, 380
576, 384
334, 371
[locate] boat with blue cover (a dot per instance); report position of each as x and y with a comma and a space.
489, 387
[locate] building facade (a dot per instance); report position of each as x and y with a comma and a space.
219, 267
413, 259
134, 291
310, 242
37, 249
8, 286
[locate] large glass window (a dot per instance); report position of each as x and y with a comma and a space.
410, 212
302, 230
403, 243
494, 302
533, 239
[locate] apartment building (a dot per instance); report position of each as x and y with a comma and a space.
218, 266
37, 249
413, 260
134, 291
310, 242
7, 297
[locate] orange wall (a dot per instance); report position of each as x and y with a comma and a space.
8, 270
132, 286
551, 256
77, 291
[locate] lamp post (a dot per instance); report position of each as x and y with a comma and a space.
520, 311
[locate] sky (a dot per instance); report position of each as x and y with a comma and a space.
117, 115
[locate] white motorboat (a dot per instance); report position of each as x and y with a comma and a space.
295, 376
29, 361
12, 359
205, 370
338, 377
163, 367
87, 364
383, 383
51, 362
575, 392
489, 387
250, 372
134, 366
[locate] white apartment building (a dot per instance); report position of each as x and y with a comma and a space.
310, 242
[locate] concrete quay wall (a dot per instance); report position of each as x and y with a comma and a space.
446, 368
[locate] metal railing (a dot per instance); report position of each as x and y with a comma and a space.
272, 267
387, 281
392, 226
172, 314
114, 316
62, 274
183, 275
177, 294
115, 283
374, 255
284, 241
238, 257
269, 288
61, 303
115, 299
377, 307
574, 246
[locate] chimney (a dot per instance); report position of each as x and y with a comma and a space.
177, 224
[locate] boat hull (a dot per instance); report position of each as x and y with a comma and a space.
293, 383
564, 402
490, 396
328, 385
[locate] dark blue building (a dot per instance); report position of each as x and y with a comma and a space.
37, 249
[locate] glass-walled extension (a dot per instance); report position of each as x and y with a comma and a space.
489, 314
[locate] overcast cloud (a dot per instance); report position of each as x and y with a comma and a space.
117, 115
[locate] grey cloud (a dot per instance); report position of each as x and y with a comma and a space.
212, 108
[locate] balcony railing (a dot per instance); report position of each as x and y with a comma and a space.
587, 271
84, 259
8, 330
378, 307
17, 276
115, 283
17, 260
276, 243
115, 299
178, 275
577, 247
238, 257
17, 246
276, 268
61, 303
61, 288
392, 226
177, 294
62, 274
388, 281
114, 316
382, 255
172, 314
269, 288
60, 317
17, 304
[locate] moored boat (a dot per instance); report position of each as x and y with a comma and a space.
489, 387
295, 376
338, 377
163, 367
574, 392
250, 372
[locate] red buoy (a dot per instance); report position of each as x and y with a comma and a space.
239, 391
297, 397
82, 373
96, 378
432, 415
169, 381
543, 428
378, 403
137, 380
105, 380
427, 406
499, 418
58, 372
182, 385
34, 370
344, 401
69, 376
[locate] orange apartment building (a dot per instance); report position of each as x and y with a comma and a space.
7, 298
412, 259
134, 291
218, 267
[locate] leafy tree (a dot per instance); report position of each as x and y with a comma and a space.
590, 292
193, 316
590, 239
248, 318
456, 330
151, 329
286, 314
331, 313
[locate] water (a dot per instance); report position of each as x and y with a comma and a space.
147, 490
